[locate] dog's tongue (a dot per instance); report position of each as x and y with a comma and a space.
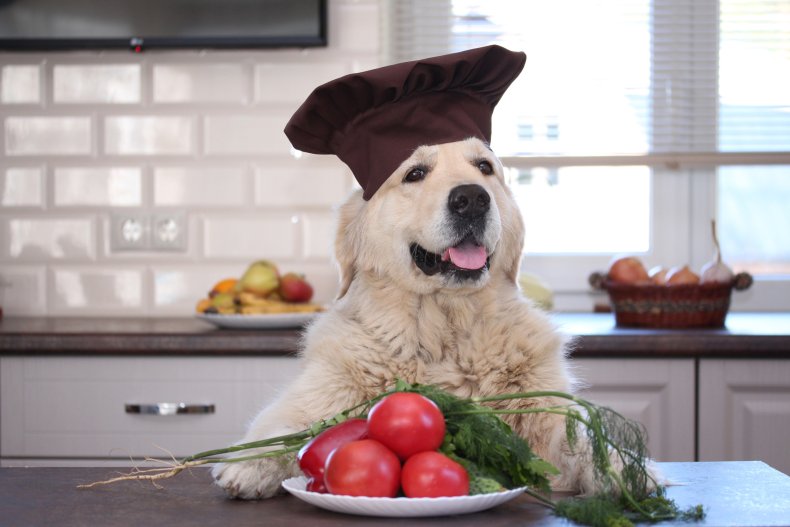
466, 255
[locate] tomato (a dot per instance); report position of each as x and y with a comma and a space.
406, 423
363, 468
312, 456
433, 475
315, 485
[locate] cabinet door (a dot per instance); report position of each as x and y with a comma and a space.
744, 411
75, 407
659, 393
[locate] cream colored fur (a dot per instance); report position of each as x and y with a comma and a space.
393, 321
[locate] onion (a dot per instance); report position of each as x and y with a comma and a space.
681, 275
716, 270
658, 275
628, 270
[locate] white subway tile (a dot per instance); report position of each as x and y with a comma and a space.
300, 185
20, 84
96, 83
187, 83
98, 186
148, 135
252, 237
364, 19
319, 232
246, 134
293, 82
95, 290
21, 187
40, 239
201, 186
23, 290
47, 135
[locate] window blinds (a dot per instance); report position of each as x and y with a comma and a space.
625, 81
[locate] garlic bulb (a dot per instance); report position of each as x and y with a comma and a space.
716, 270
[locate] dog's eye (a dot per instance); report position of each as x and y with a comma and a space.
415, 174
485, 167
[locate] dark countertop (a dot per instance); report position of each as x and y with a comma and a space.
733, 493
752, 335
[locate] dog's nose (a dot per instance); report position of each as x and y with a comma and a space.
468, 201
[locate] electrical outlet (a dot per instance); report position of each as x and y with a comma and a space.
130, 231
169, 231
148, 231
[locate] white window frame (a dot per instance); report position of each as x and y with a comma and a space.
683, 192
683, 200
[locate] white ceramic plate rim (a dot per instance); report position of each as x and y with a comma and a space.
276, 320
399, 507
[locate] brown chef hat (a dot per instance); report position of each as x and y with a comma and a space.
374, 120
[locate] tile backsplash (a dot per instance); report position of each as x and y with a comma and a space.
85, 136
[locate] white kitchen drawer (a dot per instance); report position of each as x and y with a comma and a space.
74, 407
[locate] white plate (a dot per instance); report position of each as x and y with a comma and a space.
399, 507
274, 321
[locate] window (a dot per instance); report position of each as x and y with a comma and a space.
634, 124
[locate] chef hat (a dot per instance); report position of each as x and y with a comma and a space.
374, 120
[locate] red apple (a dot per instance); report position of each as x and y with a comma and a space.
294, 288
628, 270
681, 275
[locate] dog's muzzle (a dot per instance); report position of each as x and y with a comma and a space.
468, 206
432, 263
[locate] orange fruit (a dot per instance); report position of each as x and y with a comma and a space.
223, 286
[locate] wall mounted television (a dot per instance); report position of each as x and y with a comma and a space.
30, 25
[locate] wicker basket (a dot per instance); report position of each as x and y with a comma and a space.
675, 306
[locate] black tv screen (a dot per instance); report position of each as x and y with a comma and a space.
146, 24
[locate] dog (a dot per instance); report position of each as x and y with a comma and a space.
428, 294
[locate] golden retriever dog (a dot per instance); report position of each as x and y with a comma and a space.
428, 294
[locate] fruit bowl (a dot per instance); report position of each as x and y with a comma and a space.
670, 306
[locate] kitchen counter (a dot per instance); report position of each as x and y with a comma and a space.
733, 494
752, 335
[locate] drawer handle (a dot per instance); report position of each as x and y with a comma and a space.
169, 408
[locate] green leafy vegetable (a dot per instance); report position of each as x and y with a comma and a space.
477, 434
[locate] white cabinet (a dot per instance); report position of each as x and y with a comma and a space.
744, 411
659, 393
72, 409
69, 408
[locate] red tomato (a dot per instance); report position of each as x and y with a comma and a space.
315, 485
312, 456
363, 468
433, 475
406, 423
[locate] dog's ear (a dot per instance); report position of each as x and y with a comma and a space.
348, 240
513, 235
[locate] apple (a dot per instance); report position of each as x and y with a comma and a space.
628, 270
260, 278
294, 288
681, 275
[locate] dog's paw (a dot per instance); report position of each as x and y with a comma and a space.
252, 480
